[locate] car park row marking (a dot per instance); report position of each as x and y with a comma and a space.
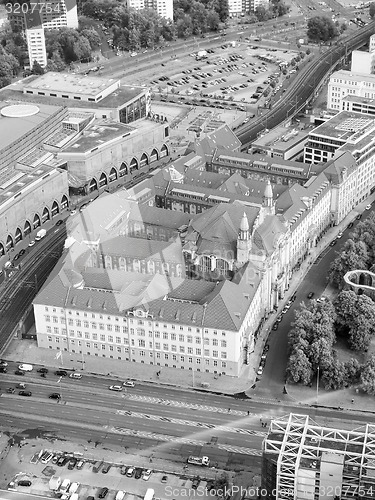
181, 404
191, 423
165, 437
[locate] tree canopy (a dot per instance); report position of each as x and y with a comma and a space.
321, 29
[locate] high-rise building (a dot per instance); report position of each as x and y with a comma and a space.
53, 14
163, 7
305, 461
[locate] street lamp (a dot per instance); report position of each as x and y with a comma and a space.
317, 386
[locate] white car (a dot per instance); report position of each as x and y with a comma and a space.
340, 235
32, 243
260, 370
73, 212
146, 474
75, 375
368, 207
117, 388
128, 383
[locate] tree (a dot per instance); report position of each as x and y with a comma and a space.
299, 368
37, 69
333, 375
56, 63
321, 29
92, 36
352, 371
367, 378
372, 10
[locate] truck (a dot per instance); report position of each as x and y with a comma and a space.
202, 54
54, 483
25, 367
205, 461
149, 495
40, 234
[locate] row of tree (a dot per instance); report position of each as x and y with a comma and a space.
323, 29
313, 337
357, 253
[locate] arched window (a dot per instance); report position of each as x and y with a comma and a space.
222, 266
93, 185
2, 250
136, 265
154, 156
55, 208
133, 165
205, 263
36, 221
108, 262
18, 236
64, 202
112, 174
103, 180
9, 243
151, 267
163, 151
144, 160
122, 263
123, 170
27, 228
45, 215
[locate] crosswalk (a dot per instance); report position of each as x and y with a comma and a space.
191, 423
182, 440
190, 406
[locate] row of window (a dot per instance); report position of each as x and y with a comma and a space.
142, 353
86, 324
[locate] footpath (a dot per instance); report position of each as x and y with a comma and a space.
27, 351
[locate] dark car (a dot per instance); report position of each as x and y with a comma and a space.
11, 390
19, 372
275, 326
138, 473
72, 463
25, 393
3, 369
310, 295
164, 479
62, 461
90, 498
61, 373
266, 348
24, 482
55, 395
59, 222
22, 252
42, 370
106, 468
103, 492
333, 243
351, 224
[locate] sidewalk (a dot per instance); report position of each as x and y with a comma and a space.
27, 351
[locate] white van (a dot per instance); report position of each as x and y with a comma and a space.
65, 485
75, 496
25, 368
73, 488
120, 495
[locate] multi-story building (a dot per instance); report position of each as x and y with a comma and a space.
53, 14
163, 7
303, 460
34, 34
346, 83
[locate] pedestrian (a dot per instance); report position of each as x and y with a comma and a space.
228, 410
261, 422
248, 413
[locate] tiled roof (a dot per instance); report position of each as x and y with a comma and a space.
334, 168
267, 234
159, 216
168, 251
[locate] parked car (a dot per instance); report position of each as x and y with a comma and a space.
310, 295
72, 463
106, 468
138, 473
21, 386
32, 243
42, 370
128, 383
164, 479
340, 235
24, 482
368, 207
130, 472
3, 369
75, 375
61, 373
3, 363
80, 464
11, 390
275, 326
103, 492
146, 474
333, 242
62, 461
117, 388
19, 372
123, 470
260, 370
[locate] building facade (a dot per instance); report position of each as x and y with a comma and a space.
346, 83
163, 7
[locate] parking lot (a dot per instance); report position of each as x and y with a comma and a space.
94, 475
